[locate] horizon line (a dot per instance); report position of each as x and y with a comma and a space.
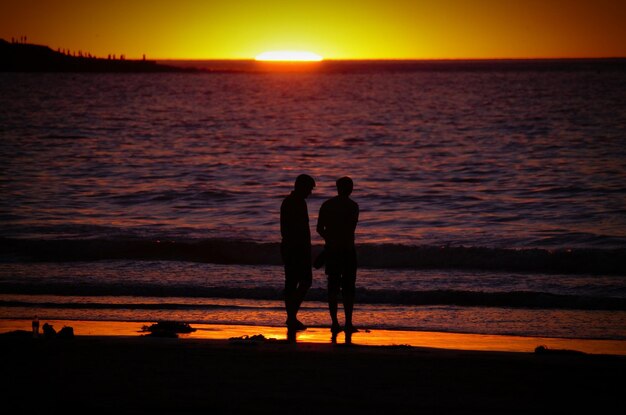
383, 59
396, 59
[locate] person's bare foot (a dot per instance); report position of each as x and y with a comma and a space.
336, 328
351, 329
295, 325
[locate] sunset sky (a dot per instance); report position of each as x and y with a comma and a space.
334, 29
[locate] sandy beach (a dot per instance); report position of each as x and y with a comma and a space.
321, 335
133, 374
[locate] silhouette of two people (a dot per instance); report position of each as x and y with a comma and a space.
336, 223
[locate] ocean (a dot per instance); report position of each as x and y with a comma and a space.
492, 197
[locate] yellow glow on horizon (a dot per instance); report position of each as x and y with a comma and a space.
288, 56
334, 29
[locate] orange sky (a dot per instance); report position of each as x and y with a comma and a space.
335, 29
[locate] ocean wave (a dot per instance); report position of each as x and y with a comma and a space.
515, 299
127, 306
595, 261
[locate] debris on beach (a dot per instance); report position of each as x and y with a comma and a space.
20, 334
167, 329
49, 331
399, 346
254, 339
66, 332
544, 350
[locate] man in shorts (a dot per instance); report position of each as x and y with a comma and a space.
336, 223
296, 248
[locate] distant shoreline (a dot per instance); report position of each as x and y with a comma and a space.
400, 65
25, 57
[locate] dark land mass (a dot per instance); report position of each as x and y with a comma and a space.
159, 375
25, 57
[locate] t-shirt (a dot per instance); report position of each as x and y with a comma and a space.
294, 222
337, 222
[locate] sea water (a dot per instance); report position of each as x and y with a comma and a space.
493, 200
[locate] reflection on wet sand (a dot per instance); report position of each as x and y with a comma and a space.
440, 340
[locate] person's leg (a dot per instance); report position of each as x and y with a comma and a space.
293, 306
334, 286
333, 296
300, 293
348, 307
289, 293
348, 288
298, 281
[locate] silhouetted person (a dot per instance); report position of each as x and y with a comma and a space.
35, 326
336, 223
296, 248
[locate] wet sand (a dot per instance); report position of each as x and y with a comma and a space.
429, 339
136, 374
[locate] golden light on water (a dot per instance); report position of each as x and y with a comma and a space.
289, 56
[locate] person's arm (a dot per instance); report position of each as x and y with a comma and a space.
283, 221
321, 223
355, 218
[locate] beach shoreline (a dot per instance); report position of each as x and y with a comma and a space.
321, 336
136, 374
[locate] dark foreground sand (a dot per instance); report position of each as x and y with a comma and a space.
166, 375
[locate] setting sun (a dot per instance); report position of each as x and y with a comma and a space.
287, 56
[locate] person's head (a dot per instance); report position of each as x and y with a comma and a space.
344, 186
304, 185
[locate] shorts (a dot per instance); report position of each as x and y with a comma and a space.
341, 270
298, 269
